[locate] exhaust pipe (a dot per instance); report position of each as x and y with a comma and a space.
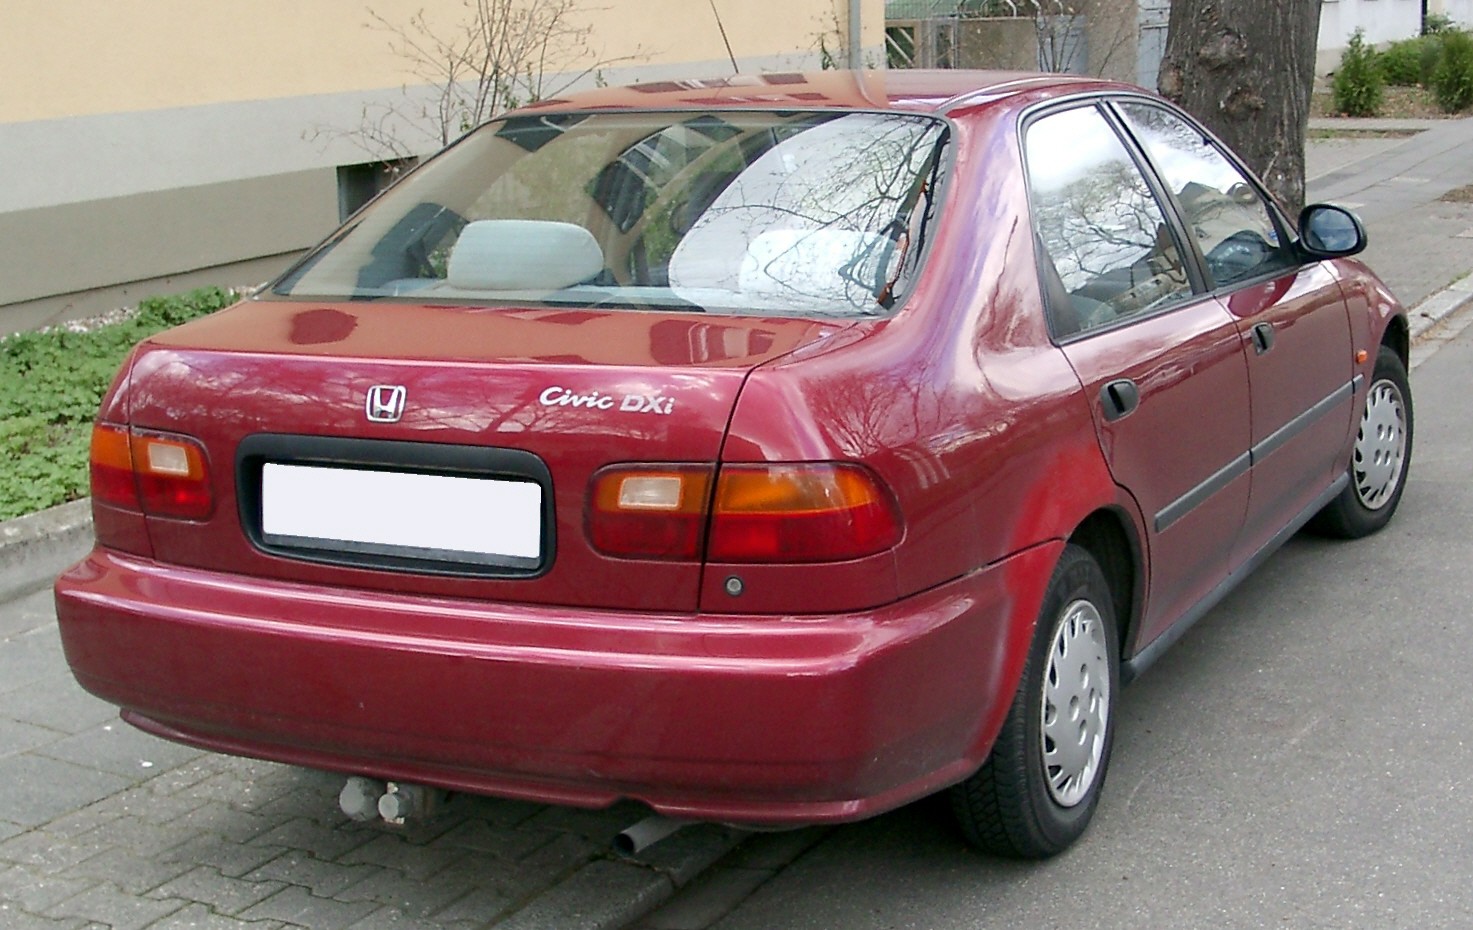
360, 797
638, 837
396, 802
402, 802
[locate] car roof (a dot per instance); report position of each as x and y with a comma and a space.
911, 90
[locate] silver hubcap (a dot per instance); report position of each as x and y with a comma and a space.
1076, 704
1380, 446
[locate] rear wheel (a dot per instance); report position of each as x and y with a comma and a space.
1038, 790
1381, 456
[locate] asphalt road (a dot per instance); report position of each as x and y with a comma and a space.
1302, 758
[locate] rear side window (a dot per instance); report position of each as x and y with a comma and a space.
1108, 253
803, 213
1230, 220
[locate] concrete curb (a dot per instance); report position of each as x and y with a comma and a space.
36, 548
1376, 123
1441, 305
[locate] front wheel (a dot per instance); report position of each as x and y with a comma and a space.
1380, 459
1038, 789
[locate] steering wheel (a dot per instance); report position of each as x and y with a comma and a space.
1237, 256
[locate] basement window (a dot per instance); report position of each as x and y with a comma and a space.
358, 184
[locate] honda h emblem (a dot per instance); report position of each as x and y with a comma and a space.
385, 403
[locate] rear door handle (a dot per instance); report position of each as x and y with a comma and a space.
1119, 398
1263, 337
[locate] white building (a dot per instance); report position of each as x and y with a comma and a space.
1383, 21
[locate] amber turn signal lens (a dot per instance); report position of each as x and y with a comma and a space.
112, 467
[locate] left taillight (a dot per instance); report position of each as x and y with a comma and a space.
158, 474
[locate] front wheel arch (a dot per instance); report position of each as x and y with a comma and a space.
1381, 456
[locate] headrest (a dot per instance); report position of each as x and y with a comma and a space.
518, 255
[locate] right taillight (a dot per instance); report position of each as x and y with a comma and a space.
159, 474
112, 467
807, 512
773, 513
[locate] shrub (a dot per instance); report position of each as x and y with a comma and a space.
1437, 23
50, 385
1402, 62
1431, 57
1358, 84
1452, 82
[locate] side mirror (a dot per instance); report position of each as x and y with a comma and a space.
1328, 231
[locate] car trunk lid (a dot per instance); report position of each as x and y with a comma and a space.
441, 450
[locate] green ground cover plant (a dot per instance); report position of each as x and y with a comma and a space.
51, 383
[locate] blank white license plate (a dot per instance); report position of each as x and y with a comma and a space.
444, 517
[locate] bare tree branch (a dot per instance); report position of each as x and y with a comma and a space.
499, 55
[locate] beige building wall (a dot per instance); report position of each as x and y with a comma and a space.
160, 144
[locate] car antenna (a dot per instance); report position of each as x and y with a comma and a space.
724, 40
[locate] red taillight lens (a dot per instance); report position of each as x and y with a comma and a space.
820, 512
159, 474
649, 511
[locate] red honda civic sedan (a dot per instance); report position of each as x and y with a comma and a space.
772, 450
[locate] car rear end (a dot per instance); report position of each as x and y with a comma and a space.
456, 502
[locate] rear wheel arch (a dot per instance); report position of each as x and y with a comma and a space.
1108, 536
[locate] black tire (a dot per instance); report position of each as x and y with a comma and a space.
1018, 804
1381, 459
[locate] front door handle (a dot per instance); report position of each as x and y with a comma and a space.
1119, 398
1263, 337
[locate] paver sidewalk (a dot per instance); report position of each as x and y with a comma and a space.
104, 826
1411, 194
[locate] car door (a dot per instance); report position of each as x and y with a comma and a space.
1291, 316
1161, 362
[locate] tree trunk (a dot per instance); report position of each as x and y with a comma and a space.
1245, 68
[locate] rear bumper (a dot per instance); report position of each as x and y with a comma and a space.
745, 719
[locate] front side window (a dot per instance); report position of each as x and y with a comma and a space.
1231, 221
747, 212
1108, 252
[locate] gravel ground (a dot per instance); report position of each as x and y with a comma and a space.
118, 314
1396, 103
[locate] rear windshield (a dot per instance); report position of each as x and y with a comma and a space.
746, 212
